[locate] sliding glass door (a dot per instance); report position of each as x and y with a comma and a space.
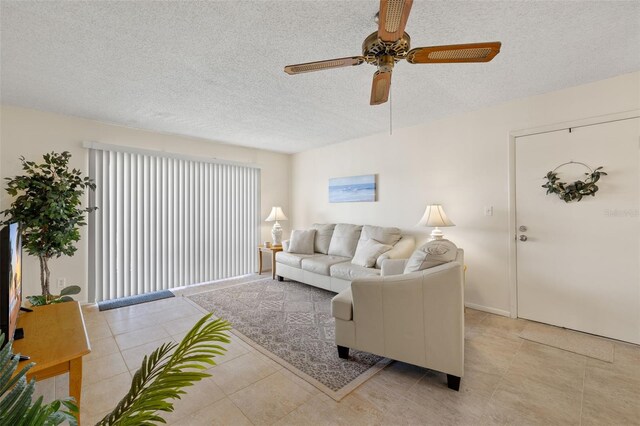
167, 221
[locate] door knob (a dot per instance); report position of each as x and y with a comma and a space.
523, 238
523, 228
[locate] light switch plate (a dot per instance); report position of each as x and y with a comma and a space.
488, 210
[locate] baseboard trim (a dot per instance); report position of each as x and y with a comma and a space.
488, 309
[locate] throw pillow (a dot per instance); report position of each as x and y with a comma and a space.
368, 251
434, 253
401, 250
323, 237
301, 241
344, 240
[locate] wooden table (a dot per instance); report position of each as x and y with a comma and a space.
273, 250
56, 339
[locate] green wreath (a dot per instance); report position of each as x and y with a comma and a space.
576, 190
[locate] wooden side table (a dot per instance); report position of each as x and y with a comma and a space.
56, 340
273, 250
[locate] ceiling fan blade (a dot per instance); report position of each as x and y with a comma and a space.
393, 18
454, 53
323, 65
380, 87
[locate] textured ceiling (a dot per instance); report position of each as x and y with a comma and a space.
215, 69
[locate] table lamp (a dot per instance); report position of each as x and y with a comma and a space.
435, 216
276, 233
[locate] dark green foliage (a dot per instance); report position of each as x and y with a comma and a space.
576, 190
64, 296
16, 405
48, 205
166, 371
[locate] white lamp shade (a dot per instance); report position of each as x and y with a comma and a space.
434, 215
276, 215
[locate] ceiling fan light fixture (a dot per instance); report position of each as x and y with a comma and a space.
386, 63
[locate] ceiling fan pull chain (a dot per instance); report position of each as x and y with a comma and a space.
390, 113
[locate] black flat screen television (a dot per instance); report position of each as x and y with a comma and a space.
10, 279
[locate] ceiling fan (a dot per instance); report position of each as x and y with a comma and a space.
391, 44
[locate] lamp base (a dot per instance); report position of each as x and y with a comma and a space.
437, 234
276, 234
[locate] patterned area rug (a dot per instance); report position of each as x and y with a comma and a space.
292, 323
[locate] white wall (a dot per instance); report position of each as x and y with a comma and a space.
32, 133
461, 162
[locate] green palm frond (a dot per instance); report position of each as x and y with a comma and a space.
16, 394
166, 371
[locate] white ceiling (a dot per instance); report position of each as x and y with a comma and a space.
215, 69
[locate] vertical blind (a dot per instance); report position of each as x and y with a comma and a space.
165, 222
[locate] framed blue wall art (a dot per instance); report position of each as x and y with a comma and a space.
352, 189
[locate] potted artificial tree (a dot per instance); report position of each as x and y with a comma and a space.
48, 206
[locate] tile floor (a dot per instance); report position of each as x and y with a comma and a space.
507, 381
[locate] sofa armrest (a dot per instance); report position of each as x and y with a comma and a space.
342, 305
285, 245
393, 267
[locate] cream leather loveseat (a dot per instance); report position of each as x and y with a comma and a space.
329, 265
416, 317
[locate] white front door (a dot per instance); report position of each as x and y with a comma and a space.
579, 267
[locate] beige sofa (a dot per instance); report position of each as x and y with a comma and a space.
330, 267
416, 317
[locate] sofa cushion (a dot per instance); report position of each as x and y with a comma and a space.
342, 305
434, 253
368, 251
323, 236
348, 271
344, 240
321, 263
384, 235
302, 241
292, 259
